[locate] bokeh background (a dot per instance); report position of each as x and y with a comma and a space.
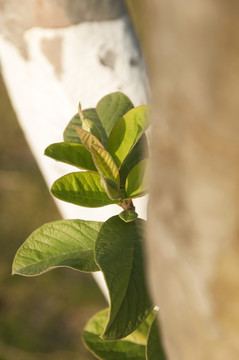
41, 318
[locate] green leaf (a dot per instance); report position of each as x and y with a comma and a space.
130, 348
154, 348
111, 108
88, 124
81, 188
108, 111
136, 182
71, 153
138, 153
64, 243
128, 215
92, 115
111, 187
118, 252
70, 134
105, 163
127, 132
87, 139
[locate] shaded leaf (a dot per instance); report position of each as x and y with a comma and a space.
87, 139
64, 243
136, 183
81, 188
131, 348
111, 108
127, 132
71, 153
154, 348
118, 253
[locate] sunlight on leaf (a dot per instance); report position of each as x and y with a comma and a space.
63, 243
81, 188
73, 154
127, 132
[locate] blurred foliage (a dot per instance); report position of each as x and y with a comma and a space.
40, 318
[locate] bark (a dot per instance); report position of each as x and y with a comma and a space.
193, 232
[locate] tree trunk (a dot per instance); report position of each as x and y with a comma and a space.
193, 232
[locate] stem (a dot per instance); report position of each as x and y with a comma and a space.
128, 205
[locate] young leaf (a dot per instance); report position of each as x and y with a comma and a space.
81, 188
104, 163
131, 348
87, 138
108, 111
111, 108
139, 152
136, 182
88, 125
73, 154
127, 132
154, 348
70, 134
118, 253
128, 215
111, 187
64, 243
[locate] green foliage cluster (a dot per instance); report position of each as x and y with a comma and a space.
106, 142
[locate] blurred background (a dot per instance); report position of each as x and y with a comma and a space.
42, 317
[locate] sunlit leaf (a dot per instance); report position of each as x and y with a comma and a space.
118, 252
105, 163
87, 139
88, 125
127, 132
70, 134
139, 152
111, 108
136, 183
81, 188
111, 187
71, 153
64, 243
